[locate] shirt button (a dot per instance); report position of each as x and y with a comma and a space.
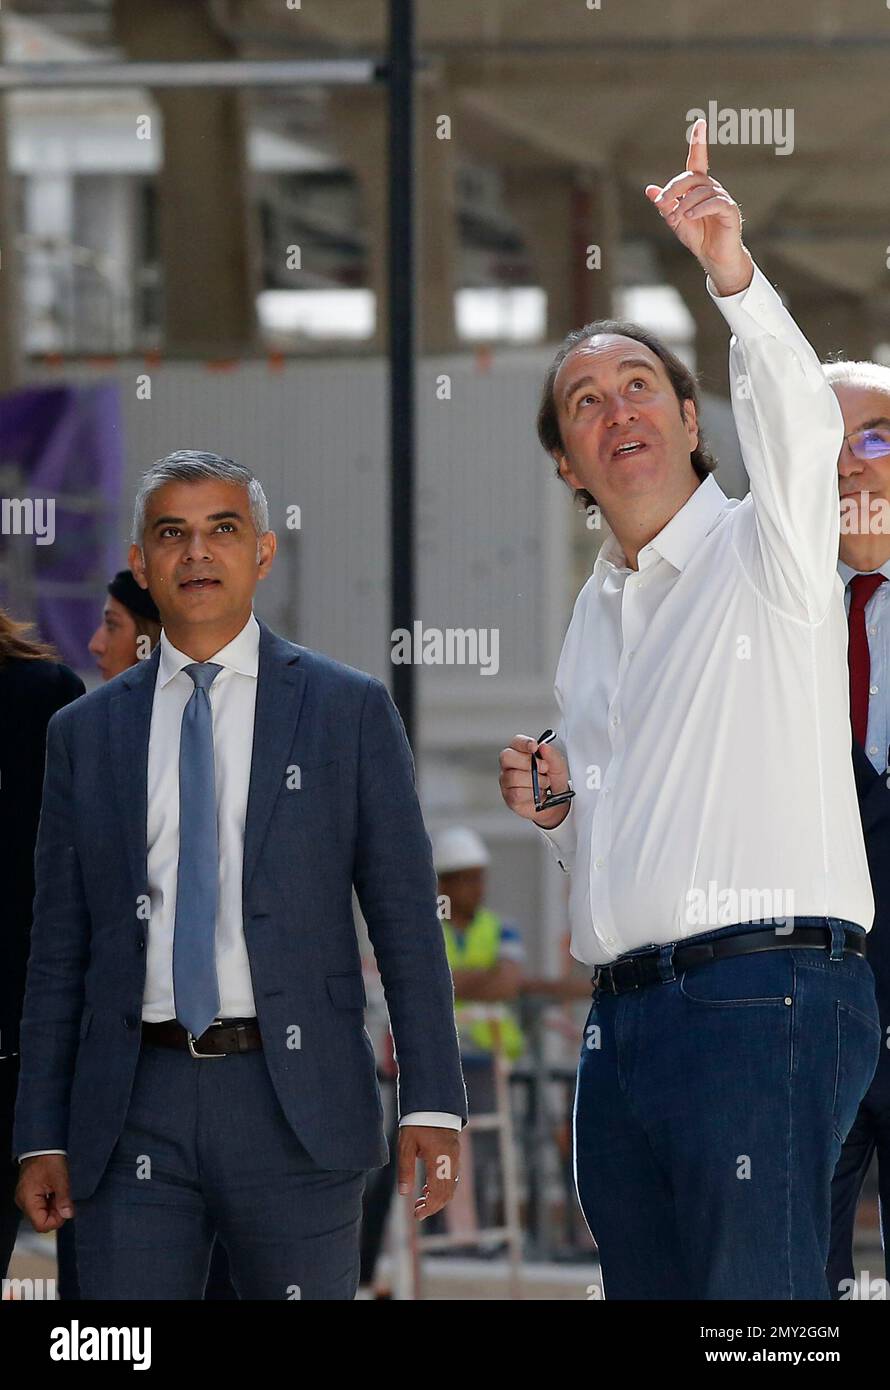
616, 720
872, 631
873, 749
598, 863
872, 690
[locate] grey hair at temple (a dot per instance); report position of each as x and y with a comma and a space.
193, 466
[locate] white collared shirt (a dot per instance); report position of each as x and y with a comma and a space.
233, 703
704, 698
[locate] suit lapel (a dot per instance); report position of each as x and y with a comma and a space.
130, 722
281, 685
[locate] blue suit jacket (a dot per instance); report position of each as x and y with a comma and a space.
874, 808
355, 820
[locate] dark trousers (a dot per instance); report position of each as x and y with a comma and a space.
709, 1118
870, 1135
206, 1149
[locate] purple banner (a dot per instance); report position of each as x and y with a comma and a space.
61, 465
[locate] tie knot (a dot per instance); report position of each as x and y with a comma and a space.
203, 673
862, 586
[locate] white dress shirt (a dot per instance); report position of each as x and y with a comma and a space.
233, 702
704, 699
877, 632
233, 705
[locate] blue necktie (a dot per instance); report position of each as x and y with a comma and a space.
195, 986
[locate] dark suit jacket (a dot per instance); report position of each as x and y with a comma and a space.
30, 693
355, 820
874, 807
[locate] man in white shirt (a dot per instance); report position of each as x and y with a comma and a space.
193, 1047
719, 883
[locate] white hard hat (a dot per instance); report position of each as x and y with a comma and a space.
457, 847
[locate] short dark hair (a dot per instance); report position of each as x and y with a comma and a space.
681, 378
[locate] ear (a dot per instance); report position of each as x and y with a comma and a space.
565, 470
136, 562
690, 420
266, 547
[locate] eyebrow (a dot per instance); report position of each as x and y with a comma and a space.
589, 380
870, 424
181, 520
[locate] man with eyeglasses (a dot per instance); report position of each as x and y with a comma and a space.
863, 391
719, 882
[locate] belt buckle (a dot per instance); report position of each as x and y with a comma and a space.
196, 1054
595, 980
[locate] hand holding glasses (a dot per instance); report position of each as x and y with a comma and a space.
549, 798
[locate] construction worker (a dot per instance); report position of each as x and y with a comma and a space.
486, 957
484, 951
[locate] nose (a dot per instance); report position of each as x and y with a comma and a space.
619, 410
96, 644
848, 465
198, 547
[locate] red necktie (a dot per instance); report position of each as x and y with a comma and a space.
862, 586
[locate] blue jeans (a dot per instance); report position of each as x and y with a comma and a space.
206, 1150
710, 1112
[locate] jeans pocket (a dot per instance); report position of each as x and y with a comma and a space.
858, 1038
761, 978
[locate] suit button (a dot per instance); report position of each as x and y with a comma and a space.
130, 1020
140, 943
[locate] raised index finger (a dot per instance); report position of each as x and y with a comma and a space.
697, 159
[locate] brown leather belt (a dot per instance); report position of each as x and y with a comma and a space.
219, 1040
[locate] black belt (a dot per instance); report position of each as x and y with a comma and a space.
635, 972
227, 1036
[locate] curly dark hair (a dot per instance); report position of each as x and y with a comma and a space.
681, 378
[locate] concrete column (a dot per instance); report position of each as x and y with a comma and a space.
206, 223
437, 228
560, 215
360, 123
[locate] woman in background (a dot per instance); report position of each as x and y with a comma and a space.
33, 685
130, 628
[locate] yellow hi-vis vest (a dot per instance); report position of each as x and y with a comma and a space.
477, 949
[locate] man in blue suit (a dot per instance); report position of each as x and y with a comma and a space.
205, 817
863, 390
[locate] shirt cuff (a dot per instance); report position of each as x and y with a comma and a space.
34, 1153
561, 841
438, 1119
